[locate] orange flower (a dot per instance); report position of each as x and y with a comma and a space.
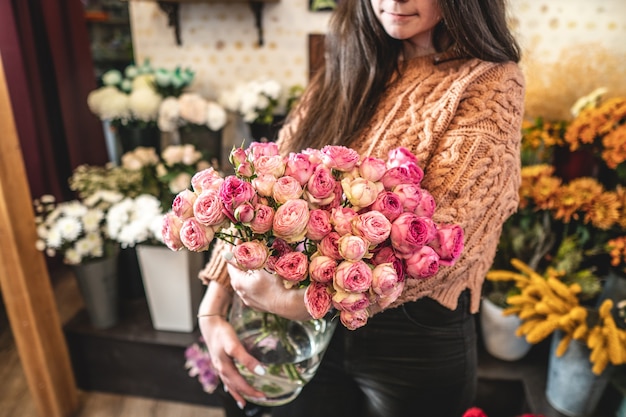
604, 212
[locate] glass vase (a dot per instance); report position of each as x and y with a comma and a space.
290, 351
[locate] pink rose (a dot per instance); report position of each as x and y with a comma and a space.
258, 149
410, 232
409, 194
299, 167
400, 156
182, 206
372, 226
239, 159
292, 266
426, 206
269, 165
404, 174
322, 183
317, 299
263, 219
352, 320
322, 269
315, 155
319, 224
195, 236
339, 157
372, 169
386, 254
448, 244
360, 192
341, 219
353, 276
385, 279
244, 213
170, 230
423, 263
388, 204
234, 192
329, 246
386, 300
286, 188
250, 255
245, 169
352, 248
208, 208
334, 200
290, 221
278, 249
207, 179
346, 301
264, 184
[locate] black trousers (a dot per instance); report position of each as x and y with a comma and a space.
417, 360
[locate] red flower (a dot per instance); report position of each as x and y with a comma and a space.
474, 412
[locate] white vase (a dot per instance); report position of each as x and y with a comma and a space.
498, 333
172, 286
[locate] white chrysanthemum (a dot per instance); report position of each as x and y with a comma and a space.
216, 116
118, 216
112, 77
96, 98
172, 155
103, 196
193, 108
147, 204
143, 81
271, 88
92, 220
128, 221
95, 241
114, 105
144, 104
69, 228
73, 208
54, 239
181, 182
82, 247
72, 257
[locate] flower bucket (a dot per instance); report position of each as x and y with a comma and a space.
290, 351
97, 282
572, 388
173, 290
498, 332
133, 137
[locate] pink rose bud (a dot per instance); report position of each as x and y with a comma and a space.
245, 169
263, 219
400, 156
258, 149
352, 320
339, 157
195, 236
278, 249
292, 266
426, 206
244, 213
329, 246
448, 244
299, 167
360, 192
182, 206
286, 188
318, 299
207, 179
352, 248
319, 224
269, 165
250, 255
208, 208
423, 263
341, 219
347, 301
387, 255
388, 204
290, 221
372, 169
237, 157
410, 232
410, 195
372, 226
170, 230
404, 174
322, 183
234, 192
353, 276
264, 185
322, 269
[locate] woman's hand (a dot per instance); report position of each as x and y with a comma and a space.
266, 292
224, 345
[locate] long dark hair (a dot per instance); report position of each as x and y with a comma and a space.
361, 59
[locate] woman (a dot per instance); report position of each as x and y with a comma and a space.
441, 79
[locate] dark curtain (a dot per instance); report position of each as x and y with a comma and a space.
47, 59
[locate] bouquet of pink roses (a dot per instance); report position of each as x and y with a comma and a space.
350, 229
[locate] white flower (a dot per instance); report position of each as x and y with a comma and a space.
82, 247
143, 81
144, 104
69, 228
193, 108
139, 157
111, 77
128, 221
108, 103
271, 88
216, 116
181, 182
190, 155
72, 256
54, 239
172, 155
126, 85
230, 99
168, 114
131, 72
92, 220
73, 209
590, 100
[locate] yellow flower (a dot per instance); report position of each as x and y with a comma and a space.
604, 212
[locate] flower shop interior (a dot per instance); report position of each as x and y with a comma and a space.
108, 99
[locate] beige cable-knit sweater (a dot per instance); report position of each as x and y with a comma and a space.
462, 119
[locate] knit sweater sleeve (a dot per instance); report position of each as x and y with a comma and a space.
473, 173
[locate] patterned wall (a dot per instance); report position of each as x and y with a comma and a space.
220, 41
